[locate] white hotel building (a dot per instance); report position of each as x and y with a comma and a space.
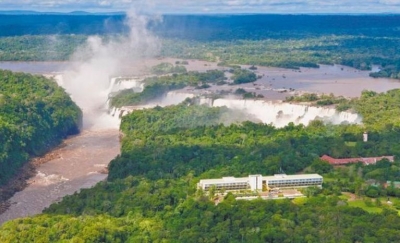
256, 182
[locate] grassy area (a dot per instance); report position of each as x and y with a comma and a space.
344, 197
395, 201
361, 204
300, 200
376, 209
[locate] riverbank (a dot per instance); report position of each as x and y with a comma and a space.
337, 79
80, 163
20, 181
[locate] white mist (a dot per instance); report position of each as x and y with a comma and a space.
88, 77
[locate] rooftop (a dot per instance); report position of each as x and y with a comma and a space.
246, 179
225, 179
302, 176
367, 161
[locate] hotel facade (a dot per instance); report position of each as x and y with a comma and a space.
260, 183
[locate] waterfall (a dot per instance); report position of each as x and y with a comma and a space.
112, 84
121, 83
206, 101
59, 79
171, 98
280, 114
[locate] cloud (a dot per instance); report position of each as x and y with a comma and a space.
105, 3
390, 2
212, 6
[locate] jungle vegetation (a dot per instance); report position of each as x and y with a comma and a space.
289, 41
166, 68
39, 47
35, 115
151, 194
156, 87
377, 109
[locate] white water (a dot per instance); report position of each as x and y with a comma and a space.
171, 98
277, 113
121, 83
280, 114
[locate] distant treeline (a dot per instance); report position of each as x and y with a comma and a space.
39, 47
288, 41
258, 27
205, 27
51, 24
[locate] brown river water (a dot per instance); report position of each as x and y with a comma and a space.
336, 79
80, 163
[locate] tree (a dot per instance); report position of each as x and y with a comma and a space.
321, 166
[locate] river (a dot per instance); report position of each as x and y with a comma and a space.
335, 79
80, 163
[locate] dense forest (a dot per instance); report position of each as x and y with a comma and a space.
151, 196
39, 47
35, 115
355, 41
267, 40
321, 219
379, 110
60, 24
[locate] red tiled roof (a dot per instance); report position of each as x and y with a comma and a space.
367, 161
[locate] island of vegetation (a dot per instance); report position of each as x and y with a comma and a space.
166, 68
158, 86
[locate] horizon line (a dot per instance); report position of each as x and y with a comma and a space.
117, 12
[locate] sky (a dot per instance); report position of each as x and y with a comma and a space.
208, 6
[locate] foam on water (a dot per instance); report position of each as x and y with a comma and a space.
277, 113
280, 113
